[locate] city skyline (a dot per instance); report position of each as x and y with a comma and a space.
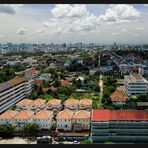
100, 23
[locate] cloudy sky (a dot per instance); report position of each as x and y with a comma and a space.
100, 23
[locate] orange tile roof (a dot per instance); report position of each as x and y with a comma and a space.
17, 80
118, 95
137, 76
45, 89
81, 114
65, 82
24, 102
38, 102
85, 102
65, 114
53, 88
54, 102
71, 102
43, 114
24, 114
8, 114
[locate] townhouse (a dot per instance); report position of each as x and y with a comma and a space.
54, 105
7, 117
81, 120
85, 104
72, 104
44, 119
24, 104
13, 91
37, 104
64, 120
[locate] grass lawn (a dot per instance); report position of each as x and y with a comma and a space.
120, 80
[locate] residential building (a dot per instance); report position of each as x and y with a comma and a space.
24, 104
119, 126
85, 104
54, 105
135, 84
13, 91
64, 120
23, 117
38, 104
119, 97
81, 120
72, 104
44, 119
31, 74
7, 117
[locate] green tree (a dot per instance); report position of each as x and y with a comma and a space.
6, 130
86, 141
64, 90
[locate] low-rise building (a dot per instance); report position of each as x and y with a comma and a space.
64, 120
72, 104
38, 104
32, 74
119, 97
85, 104
44, 119
7, 117
81, 120
24, 104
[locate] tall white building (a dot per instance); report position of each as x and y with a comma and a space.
13, 91
135, 84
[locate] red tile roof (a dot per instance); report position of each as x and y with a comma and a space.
37, 81
33, 71
105, 115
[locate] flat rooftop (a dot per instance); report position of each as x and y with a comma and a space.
107, 115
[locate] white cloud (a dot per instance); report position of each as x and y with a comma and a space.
9, 8
120, 13
21, 31
124, 30
1, 36
115, 33
139, 28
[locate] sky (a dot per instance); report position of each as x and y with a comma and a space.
71, 23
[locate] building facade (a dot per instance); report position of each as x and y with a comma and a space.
119, 126
135, 84
13, 91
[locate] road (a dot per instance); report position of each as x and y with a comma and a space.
101, 90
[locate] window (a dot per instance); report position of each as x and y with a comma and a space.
65, 125
65, 119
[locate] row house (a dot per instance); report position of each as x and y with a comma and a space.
68, 120
74, 104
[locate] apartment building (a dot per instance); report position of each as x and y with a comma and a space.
72, 104
81, 120
64, 120
119, 126
44, 119
13, 91
135, 84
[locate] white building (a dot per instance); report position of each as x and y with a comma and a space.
13, 91
64, 120
135, 84
23, 117
7, 117
85, 104
44, 119
37, 104
31, 74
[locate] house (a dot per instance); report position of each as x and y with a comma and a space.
65, 83
44, 119
38, 104
23, 117
81, 120
7, 117
64, 120
85, 104
31, 74
55, 105
24, 104
71, 104
119, 97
